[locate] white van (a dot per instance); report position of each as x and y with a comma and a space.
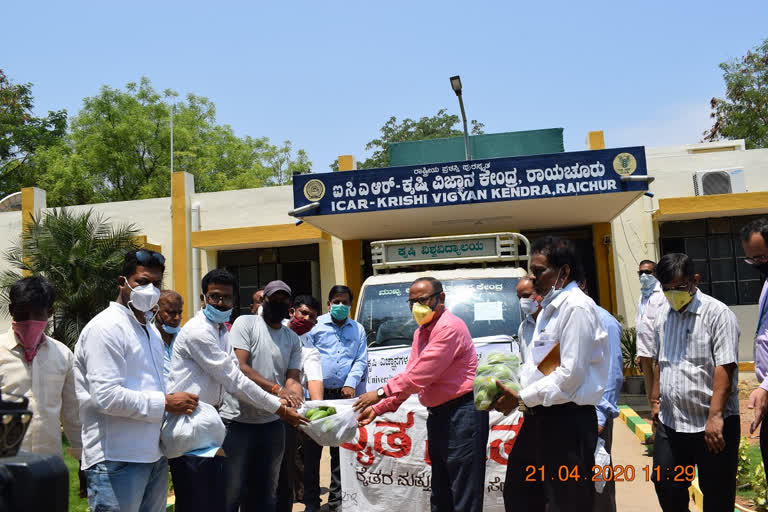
485, 298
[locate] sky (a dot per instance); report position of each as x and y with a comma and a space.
327, 75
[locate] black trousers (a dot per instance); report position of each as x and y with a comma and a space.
312, 455
764, 444
457, 435
717, 472
554, 445
606, 501
198, 483
286, 482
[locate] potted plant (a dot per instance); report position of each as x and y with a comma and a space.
633, 381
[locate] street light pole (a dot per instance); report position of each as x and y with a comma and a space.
456, 86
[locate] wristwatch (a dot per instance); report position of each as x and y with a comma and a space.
380, 393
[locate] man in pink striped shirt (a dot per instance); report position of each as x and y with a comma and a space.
441, 369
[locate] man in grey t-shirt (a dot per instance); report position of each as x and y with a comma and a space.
270, 355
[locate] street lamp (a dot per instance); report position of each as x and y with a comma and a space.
456, 86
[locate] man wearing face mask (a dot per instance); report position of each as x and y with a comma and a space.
121, 393
530, 305
168, 323
270, 355
562, 382
204, 362
650, 302
302, 318
695, 390
344, 354
754, 240
441, 369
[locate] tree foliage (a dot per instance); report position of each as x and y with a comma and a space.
439, 126
743, 114
22, 134
81, 254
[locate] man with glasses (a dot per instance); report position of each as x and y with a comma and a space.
204, 363
561, 383
441, 369
695, 394
270, 355
651, 300
121, 392
754, 240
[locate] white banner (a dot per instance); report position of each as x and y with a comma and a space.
388, 468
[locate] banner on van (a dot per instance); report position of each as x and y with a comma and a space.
468, 182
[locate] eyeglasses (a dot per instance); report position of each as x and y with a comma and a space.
145, 257
641, 272
422, 300
682, 288
215, 298
757, 260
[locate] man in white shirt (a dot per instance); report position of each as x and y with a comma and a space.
204, 363
650, 302
530, 305
270, 355
121, 393
302, 317
561, 384
39, 368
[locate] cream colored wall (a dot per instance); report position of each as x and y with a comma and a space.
243, 208
10, 232
634, 238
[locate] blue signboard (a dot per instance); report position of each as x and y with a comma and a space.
468, 182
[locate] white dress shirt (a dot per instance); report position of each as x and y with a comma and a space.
49, 384
525, 337
120, 388
204, 363
583, 372
648, 308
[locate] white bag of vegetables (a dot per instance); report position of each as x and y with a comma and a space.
503, 367
332, 422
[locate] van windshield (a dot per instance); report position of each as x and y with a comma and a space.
489, 307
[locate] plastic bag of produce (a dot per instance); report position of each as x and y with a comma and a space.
332, 422
503, 367
182, 433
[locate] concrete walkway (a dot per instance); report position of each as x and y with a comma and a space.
638, 495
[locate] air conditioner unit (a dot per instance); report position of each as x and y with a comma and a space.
718, 181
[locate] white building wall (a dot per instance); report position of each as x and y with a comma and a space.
245, 208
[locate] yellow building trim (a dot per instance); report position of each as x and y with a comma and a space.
596, 140
234, 238
142, 241
680, 208
179, 230
347, 163
746, 366
606, 274
353, 269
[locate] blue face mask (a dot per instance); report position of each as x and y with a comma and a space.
339, 311
216, 316
170, 330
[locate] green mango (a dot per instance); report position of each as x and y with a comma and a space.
485, 369
320, 415
331, 410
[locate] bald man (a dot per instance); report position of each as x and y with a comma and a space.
168, 323
530, 305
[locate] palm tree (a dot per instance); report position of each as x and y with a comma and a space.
81, 254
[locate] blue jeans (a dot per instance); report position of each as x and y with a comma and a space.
115, 486
252, 465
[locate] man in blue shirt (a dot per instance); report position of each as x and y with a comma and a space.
168, 322
344, 354
608, 407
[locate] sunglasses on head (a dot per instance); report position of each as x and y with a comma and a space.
147, 258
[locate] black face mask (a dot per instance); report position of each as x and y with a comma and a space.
275, 312
763, 269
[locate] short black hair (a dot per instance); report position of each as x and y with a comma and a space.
560, 252
218, 276
673, 266
437, 286
32, 293
648, 262
340, 289
149, 259
309, 301
756, 226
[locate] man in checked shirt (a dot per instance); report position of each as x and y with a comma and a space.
694, 402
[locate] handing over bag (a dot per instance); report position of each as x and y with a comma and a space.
332, 422
202, 432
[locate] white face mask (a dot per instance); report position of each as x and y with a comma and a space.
528, 305
551, 294
143, 298
647, 282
